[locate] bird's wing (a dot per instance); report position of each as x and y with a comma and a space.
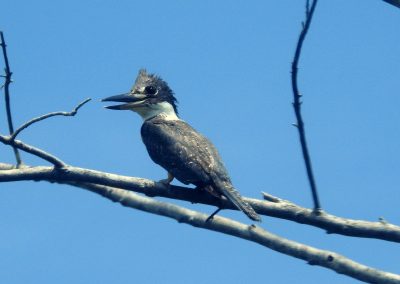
191, 158
181, 150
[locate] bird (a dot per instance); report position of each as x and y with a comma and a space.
174, 144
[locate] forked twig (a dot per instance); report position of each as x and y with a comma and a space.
43, 117
36, 151
297, 103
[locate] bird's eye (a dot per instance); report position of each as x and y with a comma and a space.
150, 90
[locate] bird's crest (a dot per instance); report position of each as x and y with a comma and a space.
164, 92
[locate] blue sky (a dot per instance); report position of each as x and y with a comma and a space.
229, 65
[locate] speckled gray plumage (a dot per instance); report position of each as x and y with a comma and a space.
191, 158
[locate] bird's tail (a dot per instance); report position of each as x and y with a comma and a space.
234, 196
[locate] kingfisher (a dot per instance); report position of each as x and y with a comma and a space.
173, 144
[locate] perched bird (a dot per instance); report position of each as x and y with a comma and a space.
174, 144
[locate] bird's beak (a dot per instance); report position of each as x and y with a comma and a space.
131, 100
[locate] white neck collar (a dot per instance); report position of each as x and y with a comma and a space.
164, 109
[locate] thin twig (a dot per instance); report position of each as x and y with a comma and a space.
270, 197
297, 105
7, 83
33, 150
280, 208
253, 233
43, 117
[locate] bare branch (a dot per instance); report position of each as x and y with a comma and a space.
279, 208
270, 197
32, 150
7, 83
253, 233
297, 103
43, 117
393, 2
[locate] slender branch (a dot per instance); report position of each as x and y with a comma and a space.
7, 83
36, 151
43, 117
297, 104
32, 150
393, 2
274, 207
253, 233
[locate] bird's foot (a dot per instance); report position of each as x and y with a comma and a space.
167, 181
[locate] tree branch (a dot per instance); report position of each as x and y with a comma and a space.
297, 104
33, 150
253, 233
7, 83
275, 207
43, 117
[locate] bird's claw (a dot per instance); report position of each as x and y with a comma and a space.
167, 181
